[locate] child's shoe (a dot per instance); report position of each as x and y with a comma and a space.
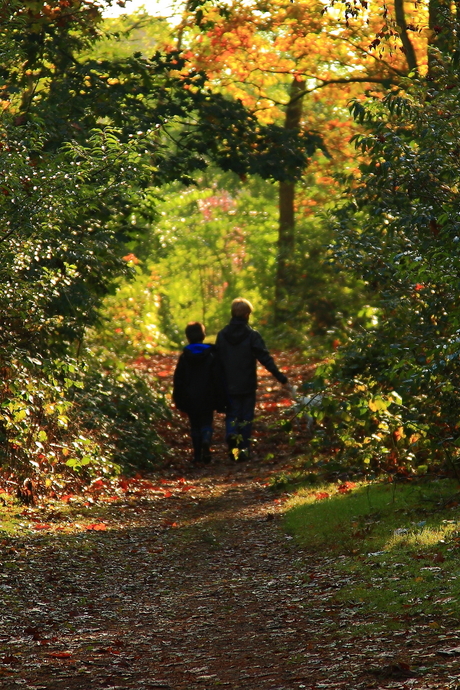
243, 455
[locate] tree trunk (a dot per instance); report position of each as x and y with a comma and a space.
409, 51
285, 280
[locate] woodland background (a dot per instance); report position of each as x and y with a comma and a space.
303, 154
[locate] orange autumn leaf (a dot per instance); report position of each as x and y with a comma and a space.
131, 258
255, 54
346, 487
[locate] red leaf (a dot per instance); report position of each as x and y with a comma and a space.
59, 655
147, 485
321, 495
285, 402
42, 525
169, 523
97, 527
346, 487
10, 659
98, 484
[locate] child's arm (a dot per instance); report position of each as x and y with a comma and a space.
264, 357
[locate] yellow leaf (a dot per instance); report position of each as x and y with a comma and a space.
377, 404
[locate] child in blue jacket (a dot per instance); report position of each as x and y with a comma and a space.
198, 390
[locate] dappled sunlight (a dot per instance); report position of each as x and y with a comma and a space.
421, 536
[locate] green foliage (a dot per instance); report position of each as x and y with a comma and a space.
210, 243
393, 391
121, 411
59, 252
56, 417
62, 244
214, 241
65, 233
34, 412
328, 303
130, 322
121, 37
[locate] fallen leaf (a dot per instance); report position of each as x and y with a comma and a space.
346, 487
10, 659
97, 527
454, 651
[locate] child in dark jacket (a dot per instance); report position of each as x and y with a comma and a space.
197, 389
240, 347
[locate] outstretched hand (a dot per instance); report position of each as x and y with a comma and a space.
292, 390
288, 387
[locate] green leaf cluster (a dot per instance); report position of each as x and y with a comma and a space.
394, 388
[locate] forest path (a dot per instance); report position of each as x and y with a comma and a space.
186, 581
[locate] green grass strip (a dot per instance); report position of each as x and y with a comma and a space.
400, 543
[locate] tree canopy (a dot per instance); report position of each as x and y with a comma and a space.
300, 152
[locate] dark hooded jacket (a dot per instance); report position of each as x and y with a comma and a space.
240, 347
198, 382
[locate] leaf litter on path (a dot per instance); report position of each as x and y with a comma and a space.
187, 581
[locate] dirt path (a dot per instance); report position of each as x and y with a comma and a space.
189, 582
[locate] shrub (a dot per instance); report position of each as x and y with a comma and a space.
120, 410
393, 392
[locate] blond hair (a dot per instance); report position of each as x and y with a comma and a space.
241, 308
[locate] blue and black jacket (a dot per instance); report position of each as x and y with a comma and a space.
198, 381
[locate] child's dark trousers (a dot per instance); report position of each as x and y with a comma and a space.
201, 433
239, 419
